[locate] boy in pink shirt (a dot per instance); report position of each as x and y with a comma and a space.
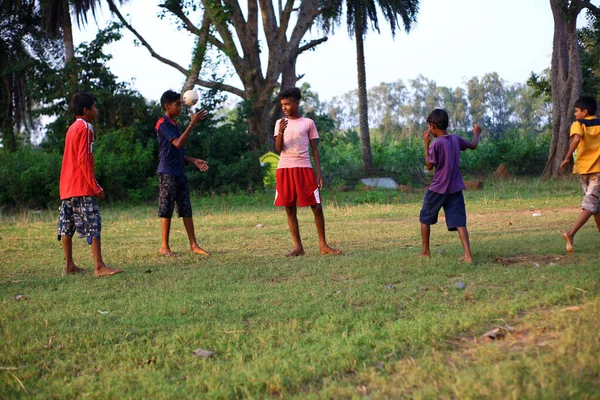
296, 183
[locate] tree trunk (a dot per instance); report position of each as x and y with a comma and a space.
363, 105
566, 81
68, 33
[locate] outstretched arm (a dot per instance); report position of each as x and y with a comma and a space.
475, 141
194, 119
201, 164
575, 139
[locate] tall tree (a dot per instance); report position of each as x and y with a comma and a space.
565, 75
24, 48
234, 34
360, 14
56, 19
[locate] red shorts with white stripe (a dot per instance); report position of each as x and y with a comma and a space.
296, 186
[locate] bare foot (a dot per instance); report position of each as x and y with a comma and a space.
168, 253
198, 250
330, 250
466, 260
424, 254
105, 270
73, 269
295, 253
569, 240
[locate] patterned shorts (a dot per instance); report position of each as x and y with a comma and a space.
590, 183
173, 191
81, 215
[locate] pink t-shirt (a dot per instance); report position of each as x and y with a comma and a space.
296, 142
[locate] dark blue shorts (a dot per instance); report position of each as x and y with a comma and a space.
81, 215
454, 208
173, 191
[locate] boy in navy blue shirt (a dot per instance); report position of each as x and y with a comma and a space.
447, 185
172, 182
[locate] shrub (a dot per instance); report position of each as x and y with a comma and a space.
29, 178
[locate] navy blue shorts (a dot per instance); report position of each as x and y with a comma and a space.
454, 208
81, 215
173, 191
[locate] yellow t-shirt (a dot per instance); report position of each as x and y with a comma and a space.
588, 150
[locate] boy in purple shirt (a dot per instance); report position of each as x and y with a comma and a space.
173, 188
447, 185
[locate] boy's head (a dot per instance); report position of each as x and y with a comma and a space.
585, 106
290, 101
438, 120
170, 101
84, 104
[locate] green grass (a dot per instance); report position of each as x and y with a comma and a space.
375, 321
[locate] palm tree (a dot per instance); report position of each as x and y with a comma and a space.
359, 15
56, 19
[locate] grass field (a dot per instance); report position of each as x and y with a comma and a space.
374, 322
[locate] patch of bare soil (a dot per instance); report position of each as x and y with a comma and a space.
530, 259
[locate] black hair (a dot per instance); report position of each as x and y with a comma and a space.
439, 118
293, 93
169, 97
82, 100
587, 103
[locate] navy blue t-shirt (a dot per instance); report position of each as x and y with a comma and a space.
170, 157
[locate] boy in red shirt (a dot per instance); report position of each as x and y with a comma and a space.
296, 184
79, 190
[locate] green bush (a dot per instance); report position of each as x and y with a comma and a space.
403, 160
125, 167
29, 178
523, 155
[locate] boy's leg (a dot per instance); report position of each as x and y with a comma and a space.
432, 203
590, 183
66, 229
101, 269
71, 268
165, 250
184, 210
456, 220
570, 234
292, 218
188, 222
425, 234
166, 204
597, 219
464, 238
317, 210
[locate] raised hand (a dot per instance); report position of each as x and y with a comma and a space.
283, 122
427, 135
197, 116
476, 129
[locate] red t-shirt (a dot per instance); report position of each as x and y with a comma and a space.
77, 173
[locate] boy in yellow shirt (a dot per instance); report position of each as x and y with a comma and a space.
585, 137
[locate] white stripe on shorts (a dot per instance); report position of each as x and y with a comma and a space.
317, 196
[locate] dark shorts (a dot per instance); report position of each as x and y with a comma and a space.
296, 186
454, 208
81, 215
173, 191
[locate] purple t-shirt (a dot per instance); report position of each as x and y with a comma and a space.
444, 153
